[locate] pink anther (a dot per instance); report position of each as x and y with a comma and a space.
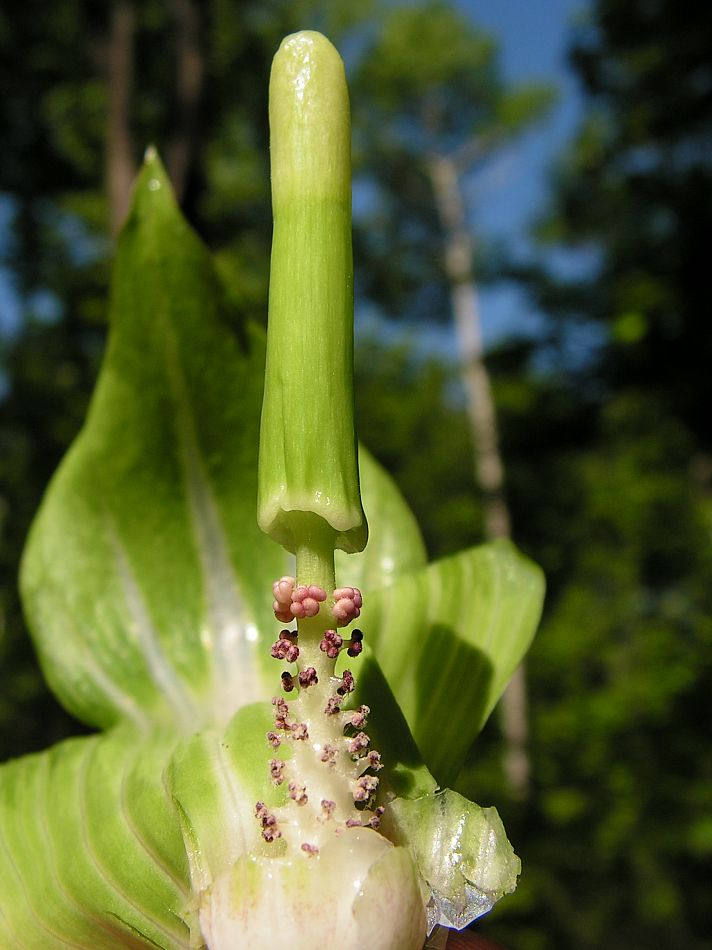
365, 787
298, 793
358, 718
347, 605
310, 850
282, 590
328, 754
305, 600
358, 744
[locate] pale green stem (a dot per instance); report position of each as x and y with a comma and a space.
315, 565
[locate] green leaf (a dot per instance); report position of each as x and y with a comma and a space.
461, 851
146, 579
448, 638
395, 544
90, 850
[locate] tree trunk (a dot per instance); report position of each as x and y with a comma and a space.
119, 163
489, 469
190, 69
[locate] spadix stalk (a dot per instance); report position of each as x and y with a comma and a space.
308, 457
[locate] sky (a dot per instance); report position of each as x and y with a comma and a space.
505, 197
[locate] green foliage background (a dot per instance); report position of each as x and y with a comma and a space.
609, 459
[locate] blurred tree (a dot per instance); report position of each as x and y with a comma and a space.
438, 109
636, 190
618, 839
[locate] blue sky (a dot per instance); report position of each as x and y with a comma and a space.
534, 36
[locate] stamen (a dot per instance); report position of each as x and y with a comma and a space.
310, 850
276, 767
273, 739
282, 590
285, 648
333, 705
306, 600
299, 731
327, 808
375, 820
308, 677
331, 644
270, 831
347, 605
365, 787
287, 682
358, 744
328, 753
358, 718
348, 683
281, 712
298, 793
374, 760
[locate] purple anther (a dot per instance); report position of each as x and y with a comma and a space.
285, 648
328, 753
357, 636
331, 644
355, 648
299, 731
276, 767
347, 605
281, 712
270, 831
333, 705
327, 808
287, 682
374, 760
308, 677
358, 744
365, 788
375, 820
298, 793
358, 718
273, 739
310, 850
348, 683
282, 590
353, 823
305, 600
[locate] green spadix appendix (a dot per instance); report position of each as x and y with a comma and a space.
276, 710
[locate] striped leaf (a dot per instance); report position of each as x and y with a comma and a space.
448, 638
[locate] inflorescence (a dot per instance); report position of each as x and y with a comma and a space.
330, 775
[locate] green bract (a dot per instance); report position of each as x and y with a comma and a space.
146, 583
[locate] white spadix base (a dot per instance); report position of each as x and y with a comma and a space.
359, 891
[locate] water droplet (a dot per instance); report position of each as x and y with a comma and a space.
153, 184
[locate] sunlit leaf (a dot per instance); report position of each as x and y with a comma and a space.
448, 638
